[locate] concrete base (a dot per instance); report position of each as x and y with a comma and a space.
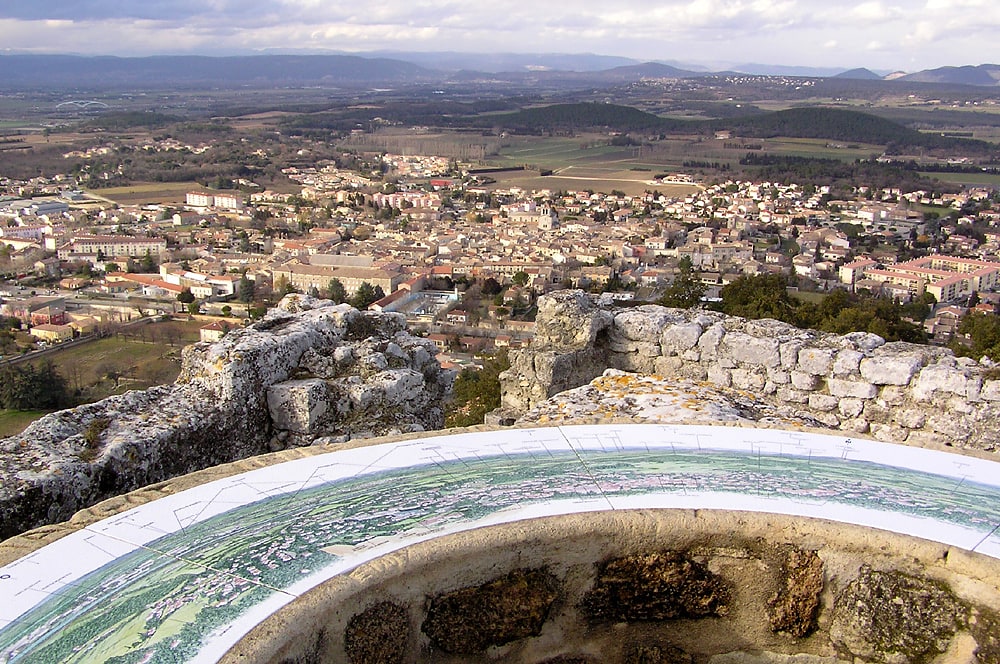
747, 553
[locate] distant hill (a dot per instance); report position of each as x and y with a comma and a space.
847, 126
833, 124
861, 74
75, 72
450, 61
967, 75
653, 70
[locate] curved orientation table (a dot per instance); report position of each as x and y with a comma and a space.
185, 577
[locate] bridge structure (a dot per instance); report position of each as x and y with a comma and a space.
188, 576
83, 104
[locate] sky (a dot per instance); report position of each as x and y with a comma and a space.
906, 35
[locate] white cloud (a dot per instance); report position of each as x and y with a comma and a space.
873, 33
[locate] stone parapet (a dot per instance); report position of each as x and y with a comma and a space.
896, 392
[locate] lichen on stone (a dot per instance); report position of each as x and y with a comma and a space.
795, 607
893, 617
655, 586
512, 607
378, 635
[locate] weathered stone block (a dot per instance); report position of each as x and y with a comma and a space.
945, 379
804, 381
990, 390
719, 376
910, 418
779, 376
823, 402
645, 324
816, 361
847, 362
851, 388
890, 369
298, 405
889, 433
850, 408
892, 395
792, 396
748, 349
710, 339
665, 366
680, 337
748, 379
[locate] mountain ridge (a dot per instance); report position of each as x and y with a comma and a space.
27, 71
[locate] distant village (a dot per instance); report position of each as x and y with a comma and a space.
466, 258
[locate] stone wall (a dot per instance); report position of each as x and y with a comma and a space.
309, 372
895, 392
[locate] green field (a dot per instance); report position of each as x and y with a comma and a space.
147, 192
140, 357
589, 162
975, 179
13, 422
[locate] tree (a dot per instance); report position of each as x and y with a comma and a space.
520, 278
491, 287
25, 387
335, 291
366, 294
226, 310
246, 289
687, 290
983, 331
148, 264
193, 308
476, 392
185, 296
759, 296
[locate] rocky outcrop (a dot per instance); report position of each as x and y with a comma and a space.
896, 392
310, 372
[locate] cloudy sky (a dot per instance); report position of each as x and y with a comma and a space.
879, 34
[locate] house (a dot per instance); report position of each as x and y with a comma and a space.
214, 330
457, 317
53, 333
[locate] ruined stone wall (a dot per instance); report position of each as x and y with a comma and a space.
309, 372
895, 392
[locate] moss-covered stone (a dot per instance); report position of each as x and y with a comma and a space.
655, 586
985, 628
794, 608
892, 617
657, 654
473, 619
378, 635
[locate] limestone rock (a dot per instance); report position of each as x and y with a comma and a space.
893, 617
795, 608
470, 620
570, 319
378, 635
641, 398
856, 382
657, 654
655, 586
277, 382
891, 369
